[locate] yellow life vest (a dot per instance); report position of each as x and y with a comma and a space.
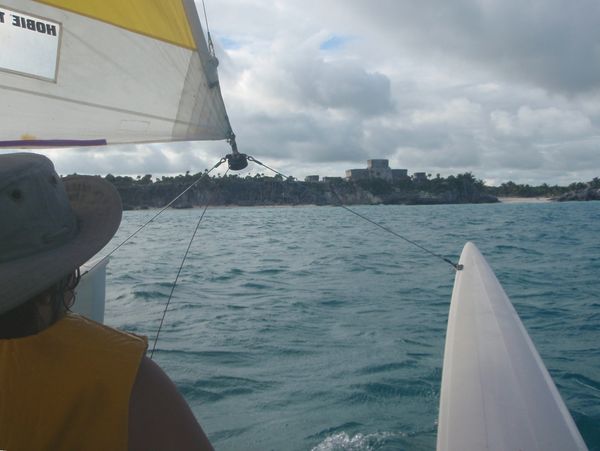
68, 387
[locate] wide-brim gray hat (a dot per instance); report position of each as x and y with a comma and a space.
48, 226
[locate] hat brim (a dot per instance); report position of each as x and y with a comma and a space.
98, 209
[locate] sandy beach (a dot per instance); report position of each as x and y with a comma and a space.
524, 200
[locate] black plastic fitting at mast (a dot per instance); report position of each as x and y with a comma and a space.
236, 161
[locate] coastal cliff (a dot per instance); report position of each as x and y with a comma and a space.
264, 191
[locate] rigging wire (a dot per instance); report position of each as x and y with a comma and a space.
219, 163
456, 266
179, 272
271, 169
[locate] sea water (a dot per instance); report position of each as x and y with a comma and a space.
308, 328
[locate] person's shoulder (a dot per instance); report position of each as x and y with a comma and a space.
84, 332
86, 325
159, 417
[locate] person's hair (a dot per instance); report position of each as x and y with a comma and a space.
25, 319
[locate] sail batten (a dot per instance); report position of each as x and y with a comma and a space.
111, 83
80, 102
27, 143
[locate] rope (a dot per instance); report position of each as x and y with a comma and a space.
271, 169
178, 273
456, 266
219, 163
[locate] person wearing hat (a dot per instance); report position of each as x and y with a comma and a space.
66, 382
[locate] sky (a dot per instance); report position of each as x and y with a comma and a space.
505, 89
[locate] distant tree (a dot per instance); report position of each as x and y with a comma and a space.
120, 180
577, 186
145, 180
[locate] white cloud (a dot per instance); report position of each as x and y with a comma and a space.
552, 121
455, 113
550, 43
541, 123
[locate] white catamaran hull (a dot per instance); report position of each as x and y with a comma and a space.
91, 290
496, 392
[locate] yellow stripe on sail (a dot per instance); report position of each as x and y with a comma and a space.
160, 19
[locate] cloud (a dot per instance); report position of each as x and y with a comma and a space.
543, 123
577, 156
156, 159
554, 44
299, 77
458, 112
343, 85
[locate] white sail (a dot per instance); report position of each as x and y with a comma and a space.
114, 71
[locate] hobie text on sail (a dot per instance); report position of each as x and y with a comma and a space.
30, 44
31, 24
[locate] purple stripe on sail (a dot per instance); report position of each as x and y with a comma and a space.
53, 143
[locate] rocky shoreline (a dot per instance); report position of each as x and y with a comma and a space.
524, 200
585, 194
273, 192
261, 190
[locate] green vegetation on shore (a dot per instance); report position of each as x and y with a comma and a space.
144, 192
511, 189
